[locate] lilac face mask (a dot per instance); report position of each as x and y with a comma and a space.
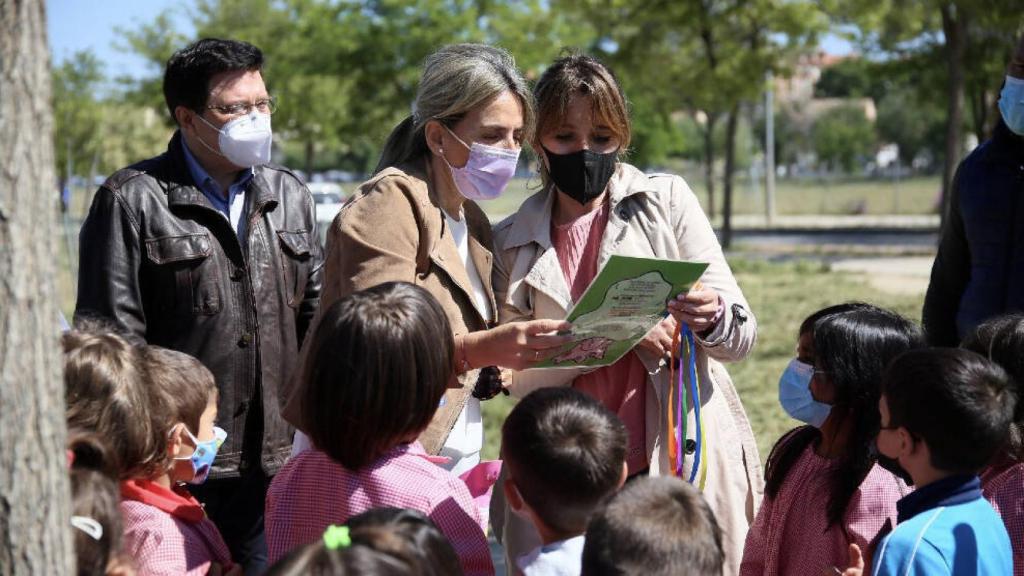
486, 173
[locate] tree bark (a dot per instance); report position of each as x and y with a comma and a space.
954, 26
709, 160
732, 122
35, 533
310, 156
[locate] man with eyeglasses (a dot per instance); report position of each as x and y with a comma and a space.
209, 250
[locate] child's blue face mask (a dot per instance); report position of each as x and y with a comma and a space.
204, 454
795, 394
1011, 104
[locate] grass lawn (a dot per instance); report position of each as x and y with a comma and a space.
911, 196
781, 295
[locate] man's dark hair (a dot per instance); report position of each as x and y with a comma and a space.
379, 362
958, 402
189, 70
564, 452
657, 526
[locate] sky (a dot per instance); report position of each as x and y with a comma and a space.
76, 25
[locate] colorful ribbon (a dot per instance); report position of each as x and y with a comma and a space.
678, 408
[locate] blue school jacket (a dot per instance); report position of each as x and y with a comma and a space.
946, 528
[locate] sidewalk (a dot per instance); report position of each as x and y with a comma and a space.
833, 222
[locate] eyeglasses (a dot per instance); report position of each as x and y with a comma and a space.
266, 106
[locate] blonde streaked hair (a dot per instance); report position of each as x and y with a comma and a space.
455, 80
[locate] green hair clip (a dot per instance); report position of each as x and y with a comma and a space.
336, 537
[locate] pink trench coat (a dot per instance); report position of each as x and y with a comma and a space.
654, 216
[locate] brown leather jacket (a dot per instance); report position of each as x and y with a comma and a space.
166, 267
393, 229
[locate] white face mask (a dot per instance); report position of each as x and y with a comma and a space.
244, 141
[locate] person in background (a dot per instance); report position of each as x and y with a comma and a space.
824, 488
944, 414
411, 543
654, 527
564, 454
593, 205
1001, 340
979, 269
95, 515
380, 360
210, 250
166, 530
382, 542
417, 220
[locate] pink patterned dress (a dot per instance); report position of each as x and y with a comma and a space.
1003, 487
790, 535
167, 533
313, 491
622, 386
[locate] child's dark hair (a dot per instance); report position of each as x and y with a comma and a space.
185, 384
655, 526
853, 344
382, 541
430, 549
107, 391
95, 498
1001, 340
189, 70
960, 403
379, 363
564, 453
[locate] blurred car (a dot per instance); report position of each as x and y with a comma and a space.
328, 197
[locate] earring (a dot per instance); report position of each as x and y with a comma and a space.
440, 151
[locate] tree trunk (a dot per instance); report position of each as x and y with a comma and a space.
731, 124
310, 155
954, 26
709, 161
979, 113
35, 532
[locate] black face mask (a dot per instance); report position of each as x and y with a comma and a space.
890, 464
581, 175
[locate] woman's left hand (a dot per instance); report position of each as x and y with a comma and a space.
696, 308
659, 340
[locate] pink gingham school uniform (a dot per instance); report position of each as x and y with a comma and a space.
312, 491
1003, 487
167, 533
790, 535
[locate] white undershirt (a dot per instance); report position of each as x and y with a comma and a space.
467, 436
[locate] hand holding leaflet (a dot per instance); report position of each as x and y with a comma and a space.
624, 302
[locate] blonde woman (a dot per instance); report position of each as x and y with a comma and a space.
416, 220
593, 205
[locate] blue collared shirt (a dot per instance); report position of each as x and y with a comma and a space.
946, 528
949, 491
232, 207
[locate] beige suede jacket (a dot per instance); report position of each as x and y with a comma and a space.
393, 229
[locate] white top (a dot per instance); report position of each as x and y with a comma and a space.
467, 436
460, 234
562, 558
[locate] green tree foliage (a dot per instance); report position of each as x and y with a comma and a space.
77, 113
842, 137
850, 78
914, 124
962, 37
